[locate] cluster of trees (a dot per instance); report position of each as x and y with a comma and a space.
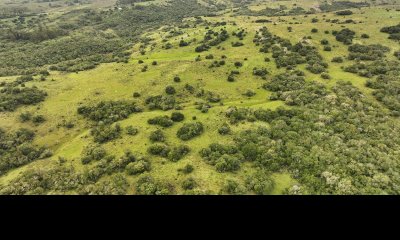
13, 97
190, 130
224, 158
367, 52
331, 145
107, 112
345, 36
173, 154
212, 38
16, 149
103, 133
383, 78
393, 31
147, 185
161, 102
288, 55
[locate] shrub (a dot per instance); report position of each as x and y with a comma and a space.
238, 64
157, 136
324, 42
177, 79
327, 48
314, 30
137, 167
190, 130
160, 102
364, 35
224, 129
146, 185
105, 133
162, 121
177, 117
25, 116
93, 153
187, 169
130, 130
227, 163
159, 150
38, 119
136, 95
233, 187
177, 153
170, 90
189, 184
337, 59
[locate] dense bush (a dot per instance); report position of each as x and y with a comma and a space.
13, 97
130, 130
92, 153
345, 36
163, 121
160, 102
190, 130
170, 90
106, 133
137, 167
189, 184
367, 52
177, 117
109, 111
157, 136
177, 153
16, 149
147, 185
161, 150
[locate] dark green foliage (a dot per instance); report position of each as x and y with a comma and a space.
187, 169
130, 130
314, 30
16, 149
137, 167
177, 153
238, 64
344, 13
345, 36
232, 187
160, 102
136, 95
224, 158
163, 121
327, 48
13, 97
367, 52
158, 149
237, 44
157, 136
364, 35
93, 153
109, 112
25, 116
147, 185
38, 119
324, 42
260, 183
190, 130
177, 117
106, 133
189, 184
393, 31
170, 90
224, 129
177, 79
337, 59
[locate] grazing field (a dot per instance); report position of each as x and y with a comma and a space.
223, 97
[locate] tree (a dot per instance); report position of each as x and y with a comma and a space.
157, 136
190, 130
170, 90
189, 184
177, 117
